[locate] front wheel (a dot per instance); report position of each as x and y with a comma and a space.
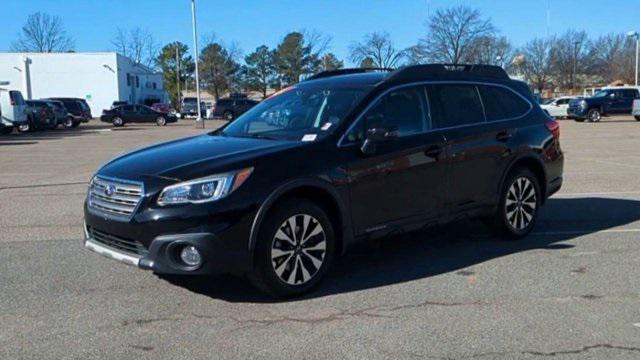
295, 248
25, 127
68, 123
637, 118
117, 121
520, 200
161, 121
594, 115
228, 115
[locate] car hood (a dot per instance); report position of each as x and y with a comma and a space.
192, 157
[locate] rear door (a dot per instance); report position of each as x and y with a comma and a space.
18, 106
403, 181
128, 113
478, 133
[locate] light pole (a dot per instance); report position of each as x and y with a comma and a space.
634, 34
199, 120
575, 64
178, 74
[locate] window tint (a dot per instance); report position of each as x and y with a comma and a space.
454, 105
404, 109
16, 97
559, 102
630, 93
127, 108
501, 103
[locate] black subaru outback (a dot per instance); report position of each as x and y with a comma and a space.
345, 156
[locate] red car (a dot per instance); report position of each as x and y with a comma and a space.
163, 108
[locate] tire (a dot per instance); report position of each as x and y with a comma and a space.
228, 115
68, 123
594, 115
161, 121
637, 118
298, 268
25, 127
579, 119
6, 130
117, 121
75, 124
517, 210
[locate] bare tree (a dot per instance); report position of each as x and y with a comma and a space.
137, 44
452, 33
571, 58
612, 58
43, 33
490, 50
537, 62
379, 49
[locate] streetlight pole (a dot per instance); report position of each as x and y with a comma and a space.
575, 64
178, 73
636, 35
199, 120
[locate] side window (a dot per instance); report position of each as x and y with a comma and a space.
404, 109
454, 105
559, 102
631, 93
126, 108
501, 103
16, 97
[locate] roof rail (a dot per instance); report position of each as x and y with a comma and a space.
448, 71
330, 73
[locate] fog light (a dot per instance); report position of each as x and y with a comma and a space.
190, 256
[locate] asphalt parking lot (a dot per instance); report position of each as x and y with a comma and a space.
569, 290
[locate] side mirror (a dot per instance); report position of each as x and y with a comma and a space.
378, 135
612, 96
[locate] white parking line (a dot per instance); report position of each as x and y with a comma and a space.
596, 193
583, 232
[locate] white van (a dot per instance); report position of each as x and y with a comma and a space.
12, 110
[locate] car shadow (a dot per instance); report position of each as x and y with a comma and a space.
437, 250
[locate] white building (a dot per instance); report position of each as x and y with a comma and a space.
100, 78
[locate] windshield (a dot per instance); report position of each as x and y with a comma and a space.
297, 113
600, 94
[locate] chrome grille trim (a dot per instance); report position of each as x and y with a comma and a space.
121, 204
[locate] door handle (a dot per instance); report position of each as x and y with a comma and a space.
434, 151
504, 136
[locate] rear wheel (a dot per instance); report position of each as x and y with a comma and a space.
117, 121
161, 121
25, 127
295, 247
228, 115
637, 118
594, 115
68, 122
6, 130
519, 203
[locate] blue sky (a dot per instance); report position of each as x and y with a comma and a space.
93, 23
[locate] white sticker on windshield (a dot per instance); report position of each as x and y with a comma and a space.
309, 137
326, 126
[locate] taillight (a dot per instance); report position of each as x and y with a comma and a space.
554, 127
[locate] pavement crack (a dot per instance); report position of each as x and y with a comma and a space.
582, 350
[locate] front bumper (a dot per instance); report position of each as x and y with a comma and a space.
577, 112
222, 244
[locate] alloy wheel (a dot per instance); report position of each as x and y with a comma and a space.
594, 116
298, 249
521, 203
160, 121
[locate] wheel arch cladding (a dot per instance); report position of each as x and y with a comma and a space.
315, 191
535, 165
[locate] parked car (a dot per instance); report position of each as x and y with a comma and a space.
618, 100
348, 155
557, 107
12, 110
119, 103
76, 112
136, 114
59, 111
189, 107
40, 115
161, 107
636, 109
230, 108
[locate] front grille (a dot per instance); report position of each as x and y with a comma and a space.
114, 197
117, 243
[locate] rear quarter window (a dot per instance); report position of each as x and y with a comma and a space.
501, 103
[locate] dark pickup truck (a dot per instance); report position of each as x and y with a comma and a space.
605, 102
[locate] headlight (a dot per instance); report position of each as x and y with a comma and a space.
583, 104
210, 188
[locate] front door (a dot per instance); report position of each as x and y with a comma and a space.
403, 181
